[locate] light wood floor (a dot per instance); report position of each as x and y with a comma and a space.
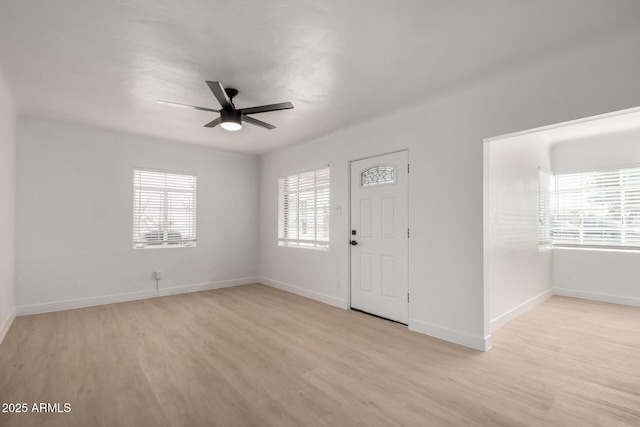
256, 356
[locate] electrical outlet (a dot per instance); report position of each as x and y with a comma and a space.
158, 275
337, 284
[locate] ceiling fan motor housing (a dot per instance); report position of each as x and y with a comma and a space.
230, 115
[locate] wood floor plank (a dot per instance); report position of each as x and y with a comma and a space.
255, 356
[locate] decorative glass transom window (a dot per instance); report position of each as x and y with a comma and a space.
378, 175
164, 209
303, 209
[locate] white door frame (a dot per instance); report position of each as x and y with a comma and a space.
408, 223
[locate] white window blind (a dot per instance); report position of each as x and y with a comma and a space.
303, 209
164, 209
599, 209
545, 213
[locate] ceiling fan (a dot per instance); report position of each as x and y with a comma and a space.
231, 118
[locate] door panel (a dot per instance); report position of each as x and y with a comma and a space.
379, 216
388, 218
388, 276
365, 273
365, 217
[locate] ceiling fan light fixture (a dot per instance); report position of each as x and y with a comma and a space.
231, 120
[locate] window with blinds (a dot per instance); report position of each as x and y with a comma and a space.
164, 209
598, 209
544, 204
303, 210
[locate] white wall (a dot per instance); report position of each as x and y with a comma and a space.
519, 273
607, 150
444, 137
612, 276
7, 207
75, 217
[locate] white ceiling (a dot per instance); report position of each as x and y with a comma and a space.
105, 63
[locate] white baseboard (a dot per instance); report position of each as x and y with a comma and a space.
498, 322
327, 299
84, 302
5, 324
130, 296
456, 337
615, 299
207, 286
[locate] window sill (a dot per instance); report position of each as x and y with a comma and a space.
165, 246
596, 249
313, 248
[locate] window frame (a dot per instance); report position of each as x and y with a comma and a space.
186, 232
596, 209
291, 218
545, 208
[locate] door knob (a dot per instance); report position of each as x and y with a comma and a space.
353, 243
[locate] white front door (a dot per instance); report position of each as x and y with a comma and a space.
379, 236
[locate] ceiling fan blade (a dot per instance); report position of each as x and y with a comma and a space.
193, 107
265, 108
213, 123
221, 96
257, 122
